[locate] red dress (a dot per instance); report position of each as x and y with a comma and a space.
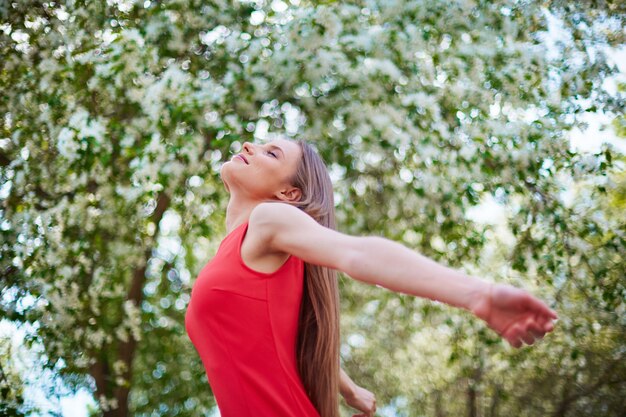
244, 324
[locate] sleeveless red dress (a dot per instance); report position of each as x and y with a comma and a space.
244, 324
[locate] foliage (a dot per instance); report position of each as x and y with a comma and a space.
11, 385
117, 115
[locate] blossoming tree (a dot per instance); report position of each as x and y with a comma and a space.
116, 116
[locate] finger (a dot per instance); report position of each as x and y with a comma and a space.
536, 330
512, 332
516, 343
539, 306
546, 324
542, 324
512, 335
528, 338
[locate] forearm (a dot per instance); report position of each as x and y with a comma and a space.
383, 262
346, 385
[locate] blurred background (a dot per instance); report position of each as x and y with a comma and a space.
487, 135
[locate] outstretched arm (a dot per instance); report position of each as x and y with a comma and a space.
513, 313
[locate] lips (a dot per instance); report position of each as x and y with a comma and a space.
244, 158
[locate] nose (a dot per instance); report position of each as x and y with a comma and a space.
247, 147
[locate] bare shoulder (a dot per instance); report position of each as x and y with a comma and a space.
287, 229
278, 213
267, 219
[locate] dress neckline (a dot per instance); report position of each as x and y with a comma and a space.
235, 229
232, 232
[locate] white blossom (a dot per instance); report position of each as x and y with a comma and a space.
67, 145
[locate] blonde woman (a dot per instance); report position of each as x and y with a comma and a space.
264, 312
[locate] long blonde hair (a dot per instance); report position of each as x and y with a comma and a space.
318, 323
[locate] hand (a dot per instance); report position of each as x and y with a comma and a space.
362, 400
514, 314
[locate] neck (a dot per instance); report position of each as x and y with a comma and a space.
238, 211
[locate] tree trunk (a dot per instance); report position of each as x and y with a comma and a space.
126, 350
471, 399
493, 409
438, 407
472, 392
563, 405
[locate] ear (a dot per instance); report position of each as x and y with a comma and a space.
289, 194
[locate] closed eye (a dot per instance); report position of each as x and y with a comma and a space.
273, 154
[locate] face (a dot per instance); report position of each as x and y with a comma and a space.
265, 172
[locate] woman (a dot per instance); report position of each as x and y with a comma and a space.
264, 312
